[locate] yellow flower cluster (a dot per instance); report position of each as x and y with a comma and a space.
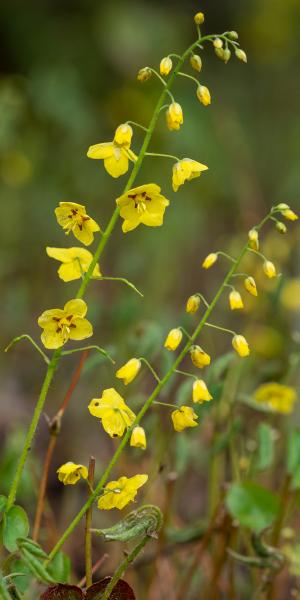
277, 397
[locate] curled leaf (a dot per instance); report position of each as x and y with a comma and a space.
145, 520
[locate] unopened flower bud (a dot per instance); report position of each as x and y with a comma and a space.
269, 269
192, 304
250, 286
226, 55
173, 339
218, 43
174, 116
241, 55
144, 74
219, 52
199, 358
203, 94
129, 371
281, 227
289, 214
200, 392
123, 135
138, 438
199, 18
196, 62
210, 260
233, 35
240, 345
165, 66
253, 239
282, 206
235, 300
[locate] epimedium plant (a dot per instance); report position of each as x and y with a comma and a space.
144, 204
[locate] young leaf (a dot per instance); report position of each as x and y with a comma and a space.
265, 447
15, 524
253, 505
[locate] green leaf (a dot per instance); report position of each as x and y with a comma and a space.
15, 524
293, 457
60, 567
265, 452
3, 501
253, 505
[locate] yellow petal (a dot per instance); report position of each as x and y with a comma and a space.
53, 339
76, 307
101, 151
117, 164
80, 329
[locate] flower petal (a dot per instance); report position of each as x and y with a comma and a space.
80, 329
76, 307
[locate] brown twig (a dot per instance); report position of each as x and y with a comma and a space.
88, 525
95, 568
54, 429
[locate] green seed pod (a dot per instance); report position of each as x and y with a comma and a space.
146, 520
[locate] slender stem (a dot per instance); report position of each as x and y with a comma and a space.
55, 426
163, 155
145, 408
221, 253
137, 125
189, 77
165, 404
164, 83
185, 373
88, 525
95, 568
92, 347
185, 332
122, 280
123, 567
220, 328
32, 428
145, 361
25, 336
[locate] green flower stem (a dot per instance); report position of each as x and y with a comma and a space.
221, 253
220, 328
186, 374
163, 155
123, 567
33, 425
146, 362
166, 404
25, 336
137, 125
92, 347
185, 332
121, 279
189, 77
145, 408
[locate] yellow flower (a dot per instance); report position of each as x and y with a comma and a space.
253, 239
60, 325
199, 18
240, 345
210, 260
185, 170
70, 473
75, 261
289, 214
235, 300
196, 62
129, 371
193, 303
203, 95
144, 74
115, 154
115, 415
200, 392
269, 269
250, 286
118, 494
72, 217
144, 204
241, 55
138, 438
173, 339
165, 65
174, 116
280, 398
184, 417
199, 358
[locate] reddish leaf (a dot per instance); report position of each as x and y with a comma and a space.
63, 592
122, 591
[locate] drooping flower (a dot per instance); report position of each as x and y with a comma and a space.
210, 260
240, 345
129, 371
117, 494
193, 303
184, 417
60, 325
173, 339
115, 415
203, 95
200, 392
144, 74
174, 116
235, 300
280, 398
199, 358
138, 438
165, 66
287, 212
70, 473
185, 170
196, 62
75, 262
250, 286
115, 154
269, 269
72, 217
241, 54
143, 204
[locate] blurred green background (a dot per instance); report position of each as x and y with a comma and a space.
68, 78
